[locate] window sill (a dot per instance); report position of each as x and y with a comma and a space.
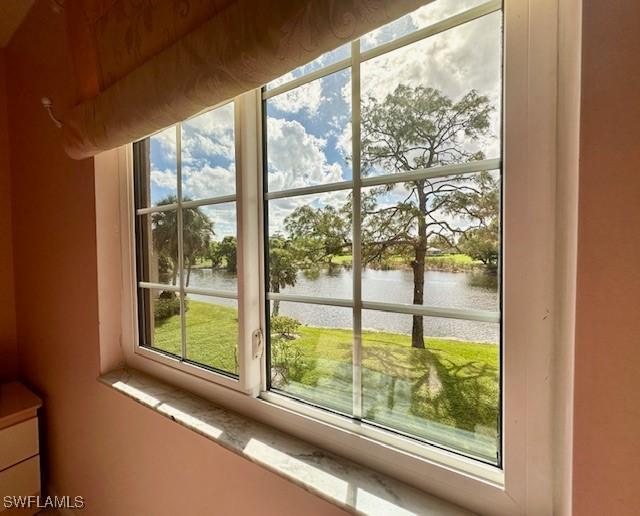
340, 481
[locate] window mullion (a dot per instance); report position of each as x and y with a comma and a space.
356, 225
183, 313
250, 247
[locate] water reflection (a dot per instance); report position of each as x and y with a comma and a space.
444, 289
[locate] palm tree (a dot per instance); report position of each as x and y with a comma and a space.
197, 230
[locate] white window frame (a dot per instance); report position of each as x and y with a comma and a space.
355, 302
247, 265
525, 484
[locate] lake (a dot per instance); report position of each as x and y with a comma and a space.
442, 289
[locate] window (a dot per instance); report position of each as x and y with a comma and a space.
186, 236
383, 217
361, 253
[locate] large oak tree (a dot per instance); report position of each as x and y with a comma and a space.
414, 129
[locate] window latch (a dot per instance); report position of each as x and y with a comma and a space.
257, 343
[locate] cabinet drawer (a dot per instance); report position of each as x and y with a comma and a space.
18, 442
20, 480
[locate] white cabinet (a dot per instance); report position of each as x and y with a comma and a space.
19, 449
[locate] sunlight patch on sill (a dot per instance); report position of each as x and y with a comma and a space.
337, 480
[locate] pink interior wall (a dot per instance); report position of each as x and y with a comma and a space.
607, 361
127, 460
122, 457
8, 350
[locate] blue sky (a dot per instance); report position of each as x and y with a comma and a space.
309, 128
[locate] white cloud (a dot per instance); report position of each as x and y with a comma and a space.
208, 167
197, 146
164, 179
304, 98
207, 181
454, 62
344, 139
209, 134
223, 217
438, 10
297, 158
426, 15
326, 59
166, 150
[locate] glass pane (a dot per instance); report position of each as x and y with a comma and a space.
163, 177
310, 245
311, 353
157, 247
327, 59
306, 134
212, 332
435, 102
433, 242
427, 15
446, 391
160, 320
209, 243
208, 155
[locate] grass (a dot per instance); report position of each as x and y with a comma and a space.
445, 262
457, 259
447, 392
204, 263
342, 260
211, 335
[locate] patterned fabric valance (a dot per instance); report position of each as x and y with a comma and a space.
147, 65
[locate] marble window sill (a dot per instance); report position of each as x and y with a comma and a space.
340, 481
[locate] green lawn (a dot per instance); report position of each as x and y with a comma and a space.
342, 260
447, 262
447, 392
452, 262
211, 335
458, 259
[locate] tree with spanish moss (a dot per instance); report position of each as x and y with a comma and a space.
283, 268
414, 129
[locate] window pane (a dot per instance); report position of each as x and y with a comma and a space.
327, 59
159, 320
157, 247
446, 392
310, 245
212, 332
163, 178
306, 131
427, 15
208, 155
435, 102
311, 353
433, 242
209, 244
